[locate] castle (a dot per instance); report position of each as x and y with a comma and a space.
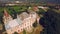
20, 23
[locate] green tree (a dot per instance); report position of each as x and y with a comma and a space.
24, 32
15, 33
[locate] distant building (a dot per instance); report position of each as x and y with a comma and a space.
12, 25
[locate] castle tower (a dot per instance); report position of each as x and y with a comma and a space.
6, 17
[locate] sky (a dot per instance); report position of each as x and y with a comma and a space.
50, 1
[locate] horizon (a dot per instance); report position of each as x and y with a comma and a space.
45, 1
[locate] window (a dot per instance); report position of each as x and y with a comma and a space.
18, 30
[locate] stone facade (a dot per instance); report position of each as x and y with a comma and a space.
12, 25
